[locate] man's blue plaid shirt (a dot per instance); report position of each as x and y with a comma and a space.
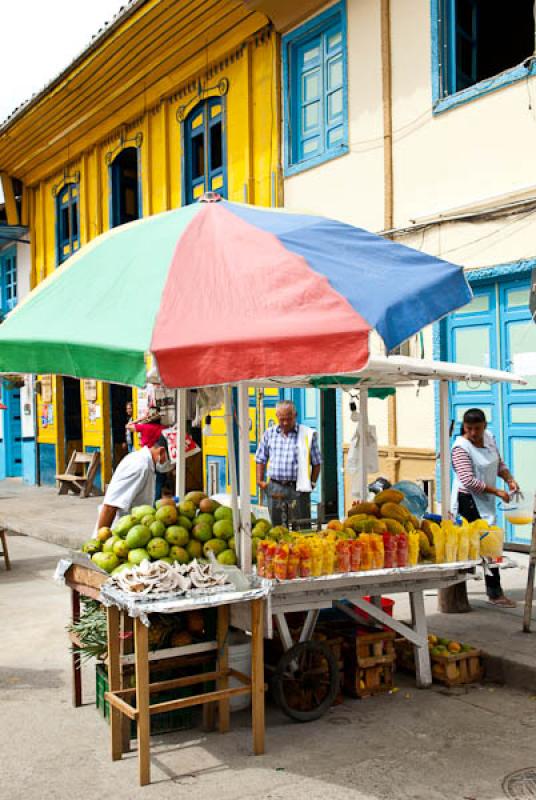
282, 453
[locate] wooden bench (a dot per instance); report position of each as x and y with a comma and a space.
79, 476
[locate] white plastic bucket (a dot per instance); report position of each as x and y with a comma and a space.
239, 659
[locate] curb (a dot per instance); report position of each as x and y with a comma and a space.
515, 674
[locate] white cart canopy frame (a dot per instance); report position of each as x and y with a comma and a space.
380, 372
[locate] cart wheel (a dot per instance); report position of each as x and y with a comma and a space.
306, 681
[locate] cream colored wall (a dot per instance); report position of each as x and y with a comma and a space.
477, 154
346, 188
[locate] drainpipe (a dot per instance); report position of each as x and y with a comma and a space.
388, 200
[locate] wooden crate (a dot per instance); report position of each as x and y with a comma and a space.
373, 649
458, 668
454, 669
368, 681
369, 663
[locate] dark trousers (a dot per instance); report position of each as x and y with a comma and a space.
467, 508
161, 478
285, 501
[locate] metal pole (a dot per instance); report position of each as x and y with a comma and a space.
363, 437
529, 593
245, 499
229, 428
444, 447
180, 462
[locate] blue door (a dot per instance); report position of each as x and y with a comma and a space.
490, 331
518, 335
216, 467
13, 433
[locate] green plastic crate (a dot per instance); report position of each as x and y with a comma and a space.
181, 719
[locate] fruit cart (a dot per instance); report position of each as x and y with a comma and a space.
299, 663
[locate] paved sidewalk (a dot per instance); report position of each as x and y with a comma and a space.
510, 654
409, 745
39, 511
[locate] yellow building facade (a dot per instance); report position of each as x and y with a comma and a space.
171, 100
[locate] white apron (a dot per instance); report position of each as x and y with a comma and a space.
305, 440
485, 462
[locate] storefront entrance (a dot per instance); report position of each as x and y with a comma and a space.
72, 409
490, 331
119, 397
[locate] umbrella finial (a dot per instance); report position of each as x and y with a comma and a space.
210, 197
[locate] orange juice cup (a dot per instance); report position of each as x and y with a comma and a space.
355, 555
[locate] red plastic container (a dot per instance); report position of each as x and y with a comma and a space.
387, 606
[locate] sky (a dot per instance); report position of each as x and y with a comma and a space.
40, 38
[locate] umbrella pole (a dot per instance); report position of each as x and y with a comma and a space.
363, 441
245, 498
229, 428
180, 460
444, 447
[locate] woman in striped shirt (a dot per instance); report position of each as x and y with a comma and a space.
477, 463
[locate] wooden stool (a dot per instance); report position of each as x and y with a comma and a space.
3, 551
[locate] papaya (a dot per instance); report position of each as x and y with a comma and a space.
379, 526
394, 511
424, 545
426, 527
393, 526
335, 525
389, 496
363, 508
354, 521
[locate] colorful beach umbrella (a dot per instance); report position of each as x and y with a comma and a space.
220, 292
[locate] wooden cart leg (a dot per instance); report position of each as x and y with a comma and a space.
141, 645
257, 675
128, 647
422, 654
3, 537
75, 657
114, 679
223, 663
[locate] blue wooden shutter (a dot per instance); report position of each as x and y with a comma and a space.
309, 93
204, 150
9, 300
333, 83
67, 221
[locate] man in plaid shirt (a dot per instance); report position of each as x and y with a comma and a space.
279, 449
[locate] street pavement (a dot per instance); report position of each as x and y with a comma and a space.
418, 744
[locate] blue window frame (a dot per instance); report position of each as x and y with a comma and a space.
125, 205
67, 221
8, 281
204, 165
316, 91
479, 46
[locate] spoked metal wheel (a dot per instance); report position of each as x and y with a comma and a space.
306, 681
